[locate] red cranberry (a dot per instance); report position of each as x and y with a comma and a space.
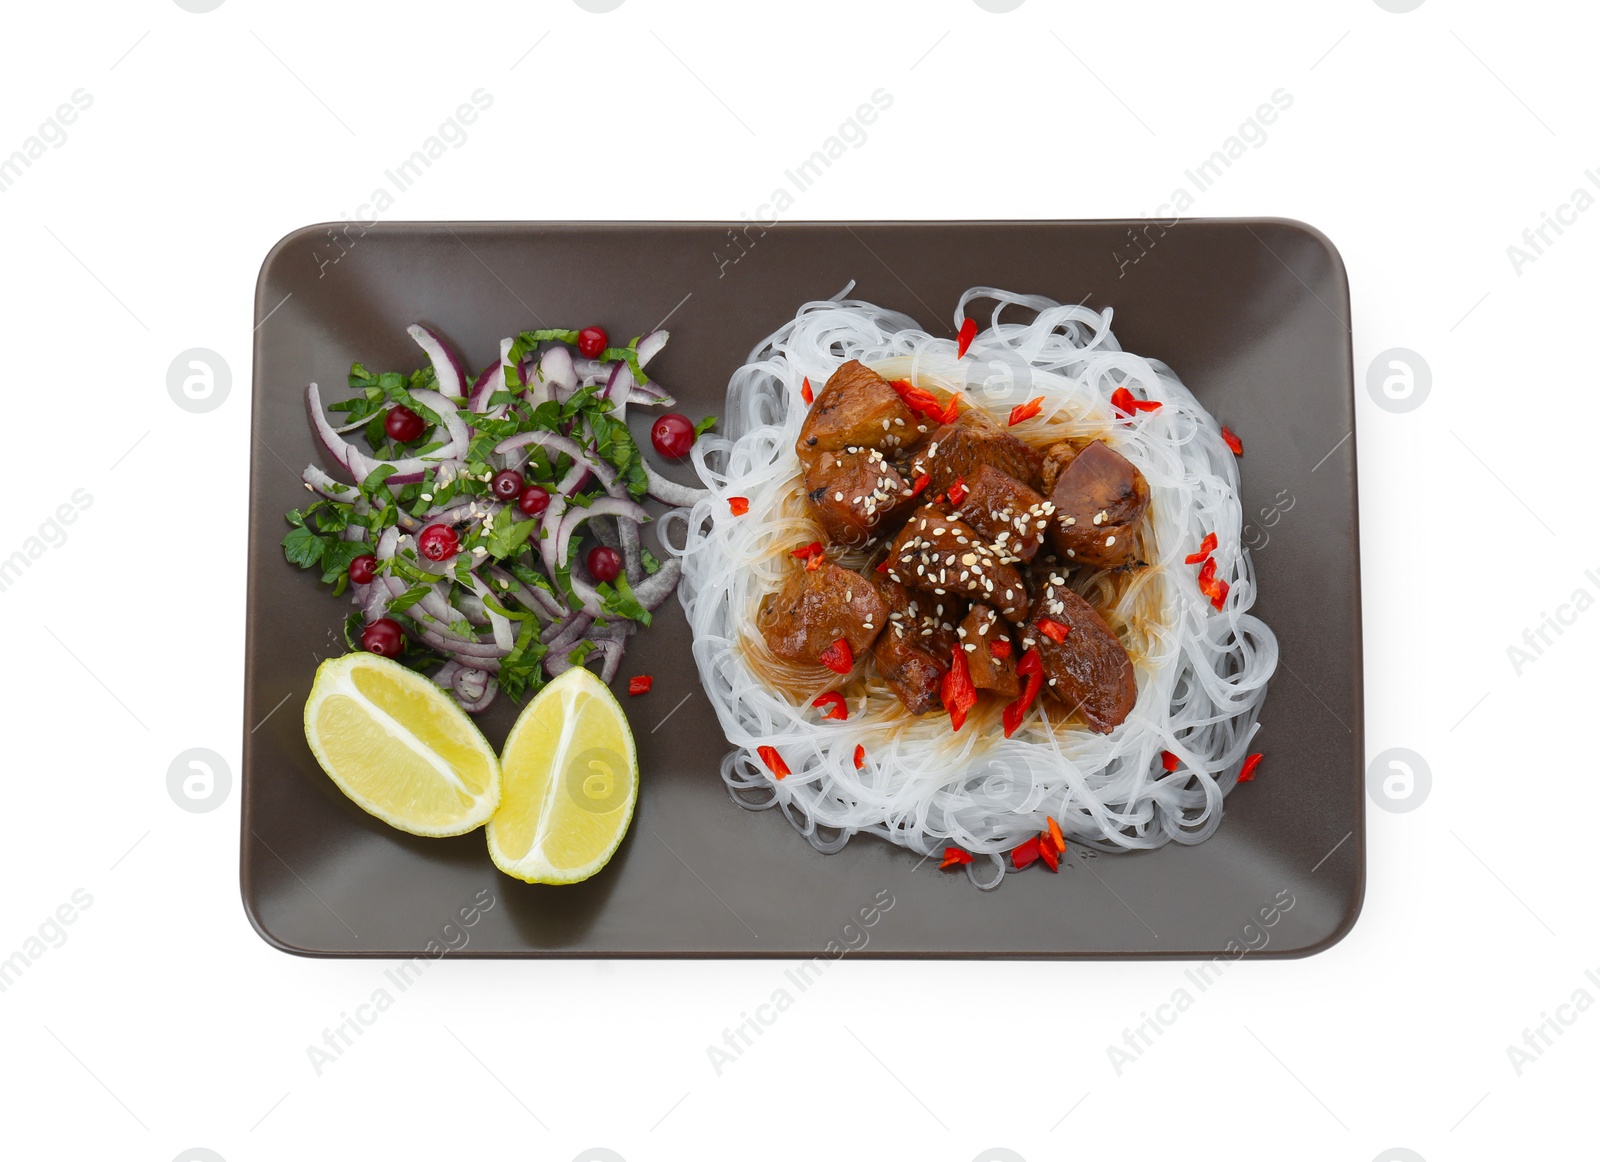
672, 435
506, 485
362, 568
604, 563
438, 542
383, 637
533, 500
403, 424
592, 341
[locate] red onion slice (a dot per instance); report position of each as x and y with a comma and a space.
446, 367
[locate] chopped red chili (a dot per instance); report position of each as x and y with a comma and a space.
1000, 649
1206, 546
1054, 630
1048, 853
956, 689
774, 760
805, 551
1057, 840
805, 390
951, 410
861, 755
1219, 595
814, 562
1011, 717
883, 565
964, 337
1169, 761
1211, 585
1025, 411
834, 701
1025, 853
1235, 445
954, 857
738, 505
920, 483
1247, 772
640, 684
958, 492
918, 399
838, 657
1125, 402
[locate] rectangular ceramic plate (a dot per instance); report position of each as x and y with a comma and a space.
1252, 314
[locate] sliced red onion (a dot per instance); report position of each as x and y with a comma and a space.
612, 652
559, 380
504, 635
446, 367
474, 689
671, 492
407, 471
650, 346
566, 634
532, 597
658, 586
649, 394
629, 547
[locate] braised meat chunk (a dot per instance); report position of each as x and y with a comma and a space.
856, 408
982, 634
1100, 498
1012, 516
913, 653
1088, 670
957, 449
854, 491
815, 608
938, 553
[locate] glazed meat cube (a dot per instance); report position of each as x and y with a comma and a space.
981, 630
939, 553
1100, 498
958, 449
855, 408
1006, 511
1088, 671
815, 608
913, 653
854, 491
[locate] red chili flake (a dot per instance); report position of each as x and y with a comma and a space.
1000, 649
1220, 594
1025, 853
1057, 840
1235, 445
1011, 717
920, 483
774, 760
1122, 400
805, 390
951, 410
805, 551
964, 338
835, 703
1206, 547
1048, 853
1025, 411
919, 400
1247, 772
958, 492
814, 562
838, 657
738, 505
956, 689
640, 684
1169, 761
1210, 584
954, 857
883, 565
1054, 630
861, 755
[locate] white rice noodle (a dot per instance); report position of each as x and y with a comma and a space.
1202, 673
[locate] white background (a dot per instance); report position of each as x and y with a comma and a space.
1422, 143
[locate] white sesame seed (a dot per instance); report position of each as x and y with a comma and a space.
838, 496
1110, 541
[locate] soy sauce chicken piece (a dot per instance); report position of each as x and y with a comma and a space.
913, 652
980, 632
958, 449
942, 555
1013, 517
815, 608
856, 408
853, 492
1099, 498
1088, 671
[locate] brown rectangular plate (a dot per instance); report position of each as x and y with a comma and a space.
1253, 315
